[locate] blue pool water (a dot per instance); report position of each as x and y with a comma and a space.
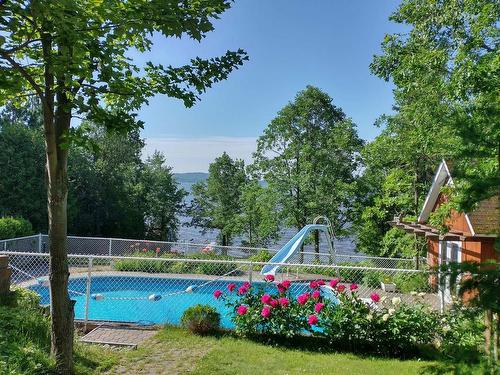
168, 309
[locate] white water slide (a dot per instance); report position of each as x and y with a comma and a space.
293, 246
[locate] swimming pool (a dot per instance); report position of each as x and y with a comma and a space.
125, 298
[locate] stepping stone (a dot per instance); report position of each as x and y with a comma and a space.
117, 336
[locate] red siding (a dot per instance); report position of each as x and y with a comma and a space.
488, 250
471, 250
457, 221
433, 260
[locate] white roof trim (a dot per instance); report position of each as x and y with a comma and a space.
440, 177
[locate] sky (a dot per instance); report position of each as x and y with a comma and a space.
291, 44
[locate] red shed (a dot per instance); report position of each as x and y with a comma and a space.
471, 236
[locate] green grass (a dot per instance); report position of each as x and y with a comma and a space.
174, 350
25, 345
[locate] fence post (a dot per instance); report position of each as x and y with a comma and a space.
250, 273
109, 246
5, 245
87, 294
39, 242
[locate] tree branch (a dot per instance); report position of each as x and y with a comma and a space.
24, 73
20, 46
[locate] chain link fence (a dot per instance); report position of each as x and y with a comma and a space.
150, 290
130, 247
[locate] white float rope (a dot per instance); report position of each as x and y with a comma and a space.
157, 297
152, 297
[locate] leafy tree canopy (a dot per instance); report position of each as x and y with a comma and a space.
216, 202
308, 155
446, 70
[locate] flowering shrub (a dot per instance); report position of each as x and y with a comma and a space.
461, 333
381, 325
271, 309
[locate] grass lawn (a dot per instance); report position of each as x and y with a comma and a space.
175, 351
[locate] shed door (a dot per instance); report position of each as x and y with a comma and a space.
449, 252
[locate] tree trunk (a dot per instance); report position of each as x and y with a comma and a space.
488, 332
316, 245
61, 307
225, 242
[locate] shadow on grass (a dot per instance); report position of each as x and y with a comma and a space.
460, 368
315, 344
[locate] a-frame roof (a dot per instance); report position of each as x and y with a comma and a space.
484, 220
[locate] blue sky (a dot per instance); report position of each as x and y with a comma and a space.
291, 44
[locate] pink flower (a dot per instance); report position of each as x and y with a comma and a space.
246, 284
269, 278
313, 284
302, 299
316, 294
266, 311
281, 288
273, 303
312, 320
340, 288
242, 310
375, 297
318, 307
334, 282
320, 282
231, 286
353, 286
286, 283
242, 290
217, 293
158, 250
266, 299
284, 301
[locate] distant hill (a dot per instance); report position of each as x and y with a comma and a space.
191, 177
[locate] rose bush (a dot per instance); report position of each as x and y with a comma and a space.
376, 324
269, 309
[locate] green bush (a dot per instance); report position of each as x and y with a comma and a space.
373, 279
409, 330
143, 265
411, 282
393, 328
155, 266
201, 319
217, 268
352, 275
262, 256
11, 227
462, 333
24, 336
